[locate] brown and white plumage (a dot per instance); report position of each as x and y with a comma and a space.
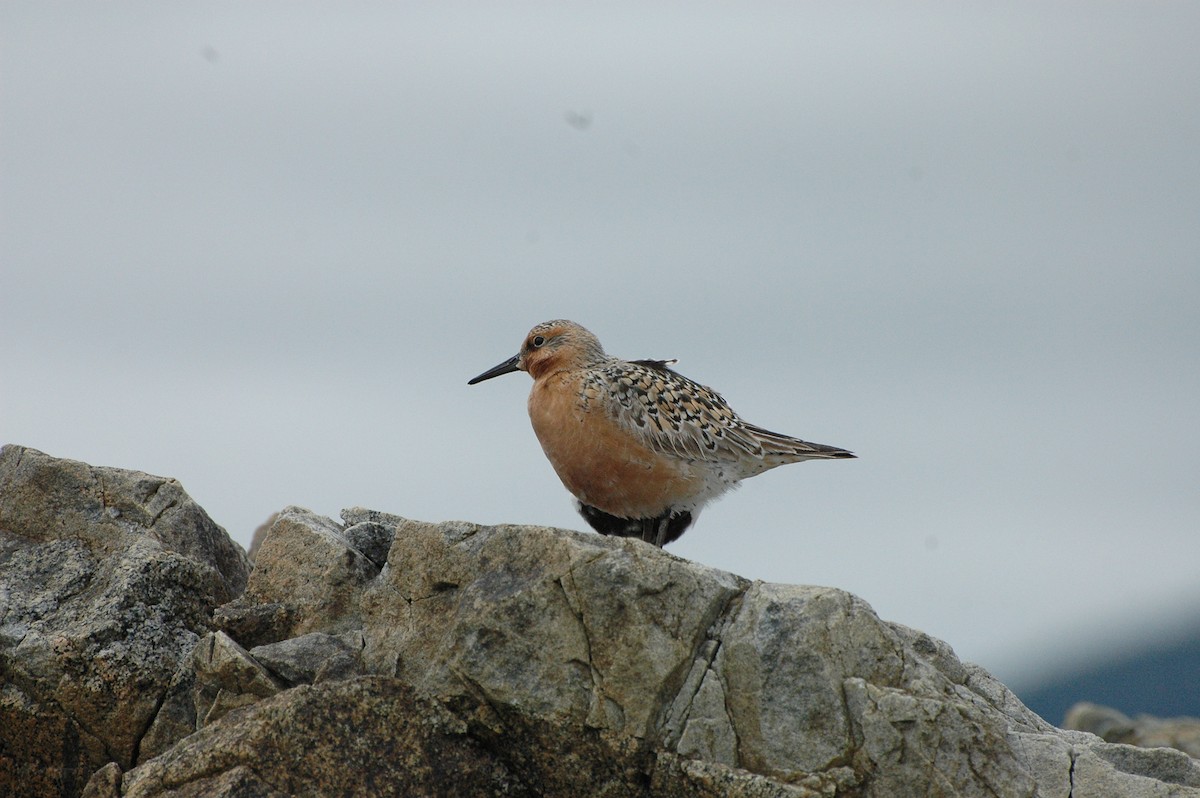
641, 447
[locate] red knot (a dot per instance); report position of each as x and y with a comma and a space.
641, 447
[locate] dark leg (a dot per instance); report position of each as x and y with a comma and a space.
664, 529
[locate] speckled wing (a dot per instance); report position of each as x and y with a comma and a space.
671, 413
681, 417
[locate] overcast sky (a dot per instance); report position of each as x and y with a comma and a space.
262, 247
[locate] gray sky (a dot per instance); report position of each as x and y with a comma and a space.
261, 248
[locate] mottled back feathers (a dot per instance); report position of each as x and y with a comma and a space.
675, 415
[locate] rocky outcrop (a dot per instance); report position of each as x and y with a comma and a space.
1144, 731
108, 579
384, 656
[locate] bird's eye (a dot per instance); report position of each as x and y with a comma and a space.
538, 340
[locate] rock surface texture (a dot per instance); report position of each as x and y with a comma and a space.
383, 656
108, 579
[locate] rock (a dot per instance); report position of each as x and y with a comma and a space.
1103, 769
384, 656
370, 532
700, 682
1144, 730
226, 678
47, 499
310, 575
107, 580
105, 782
313, 657
363, 736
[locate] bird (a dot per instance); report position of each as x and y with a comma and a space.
641, 447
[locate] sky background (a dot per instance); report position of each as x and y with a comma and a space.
261, 248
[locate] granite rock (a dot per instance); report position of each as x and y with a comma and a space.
386, 656
107, 580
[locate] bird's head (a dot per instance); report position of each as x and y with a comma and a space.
550, 347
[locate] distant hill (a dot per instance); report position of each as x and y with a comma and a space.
1161, 680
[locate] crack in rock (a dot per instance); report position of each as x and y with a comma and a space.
679, 713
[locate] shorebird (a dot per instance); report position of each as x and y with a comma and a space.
641, 447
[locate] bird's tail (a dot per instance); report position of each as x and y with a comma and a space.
779, 449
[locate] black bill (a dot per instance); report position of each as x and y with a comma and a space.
506, 367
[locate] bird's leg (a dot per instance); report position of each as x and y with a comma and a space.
660, 534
